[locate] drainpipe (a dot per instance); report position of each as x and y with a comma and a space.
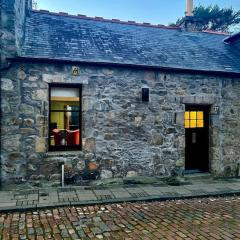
62, 175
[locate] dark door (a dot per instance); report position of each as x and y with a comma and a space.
197, 138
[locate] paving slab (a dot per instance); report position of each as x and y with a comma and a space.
12, 200
8, 198
32, 196
183, 191
137, 192
102, 192
120, 193
210, 189
7, 204
194, 186
235, 186
134, 189
167, 189
151, 190
86, 195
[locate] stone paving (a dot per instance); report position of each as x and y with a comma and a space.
207, 218
38, 198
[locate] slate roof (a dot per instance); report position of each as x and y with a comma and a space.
234, 39
60, 37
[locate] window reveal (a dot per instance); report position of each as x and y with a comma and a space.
65, 118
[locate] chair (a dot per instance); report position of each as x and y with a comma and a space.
73, 137
60, 136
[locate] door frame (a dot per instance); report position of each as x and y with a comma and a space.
206, 108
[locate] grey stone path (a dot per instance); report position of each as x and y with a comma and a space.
49, 197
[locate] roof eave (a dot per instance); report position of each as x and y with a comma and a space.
232, 39
130, 65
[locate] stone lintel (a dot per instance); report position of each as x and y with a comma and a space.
208, 100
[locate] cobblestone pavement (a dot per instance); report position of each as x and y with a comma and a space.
208, 218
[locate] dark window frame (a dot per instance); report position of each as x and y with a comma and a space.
66, 147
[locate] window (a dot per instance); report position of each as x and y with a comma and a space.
194, 119
65, 117
145, 94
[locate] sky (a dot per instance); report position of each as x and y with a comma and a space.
152, 11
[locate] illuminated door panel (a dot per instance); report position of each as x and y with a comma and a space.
200, 123
193, 123
194, 119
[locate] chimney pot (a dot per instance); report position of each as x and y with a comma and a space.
189, 12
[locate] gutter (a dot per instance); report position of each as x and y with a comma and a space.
126, 65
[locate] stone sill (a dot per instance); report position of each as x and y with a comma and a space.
62, 153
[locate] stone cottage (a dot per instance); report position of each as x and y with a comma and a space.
109, 99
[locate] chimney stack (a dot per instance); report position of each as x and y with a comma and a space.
189, 12
189, 22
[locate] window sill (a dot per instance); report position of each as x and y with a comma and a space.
56, 153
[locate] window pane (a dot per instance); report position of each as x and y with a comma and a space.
186, 115
65, 137
200, 123
57, 120
200, 115
73, 118
186, 123
64, 128
193, 123
64, 98
193, 115
64, 92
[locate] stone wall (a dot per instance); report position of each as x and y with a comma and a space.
12, 16
122, 136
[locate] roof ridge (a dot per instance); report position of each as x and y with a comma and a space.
101, 19
129, 22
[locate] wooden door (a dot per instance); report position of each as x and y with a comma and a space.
197, 138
